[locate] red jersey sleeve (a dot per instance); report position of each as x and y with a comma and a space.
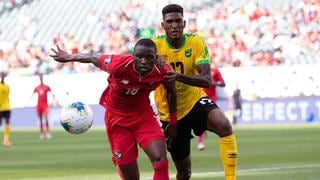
164, 70
104, 61
167, 68
112, 63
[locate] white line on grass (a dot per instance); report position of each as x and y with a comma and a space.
257, 170
251, 171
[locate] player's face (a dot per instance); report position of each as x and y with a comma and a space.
144, 58
2, 75
173, 24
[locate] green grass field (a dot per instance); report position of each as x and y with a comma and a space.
265, 153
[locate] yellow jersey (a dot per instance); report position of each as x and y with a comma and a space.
183, 60
4, 97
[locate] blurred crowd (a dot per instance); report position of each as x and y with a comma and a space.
255, 36
7, 5
246, 35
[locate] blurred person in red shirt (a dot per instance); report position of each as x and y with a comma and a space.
217, 80
42, 91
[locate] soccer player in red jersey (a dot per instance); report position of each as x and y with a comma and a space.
216, 80
42, 90
129, 118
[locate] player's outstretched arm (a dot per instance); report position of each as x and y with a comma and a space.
63, 56
55, 100
203, 79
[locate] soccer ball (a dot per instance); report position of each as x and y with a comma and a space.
76, 118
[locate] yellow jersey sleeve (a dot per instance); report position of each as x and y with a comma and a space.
183, 60
202, 54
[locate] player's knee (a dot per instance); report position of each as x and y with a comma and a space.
158, 157
225, 128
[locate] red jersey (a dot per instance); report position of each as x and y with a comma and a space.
42, 91
128, 92
216, 77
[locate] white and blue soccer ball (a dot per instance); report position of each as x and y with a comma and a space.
76, 118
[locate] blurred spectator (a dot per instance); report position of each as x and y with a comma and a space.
237, 105
7, 5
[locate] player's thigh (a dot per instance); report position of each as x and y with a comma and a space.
6, 116
45, 111
147, 130
206, 115
218, 122
1, 117
123, 145
180, 147
198, 116
40, 111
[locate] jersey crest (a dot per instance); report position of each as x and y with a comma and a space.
188, 52
124, 81
107, 60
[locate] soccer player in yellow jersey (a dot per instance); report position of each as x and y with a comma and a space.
188, 55
5, 109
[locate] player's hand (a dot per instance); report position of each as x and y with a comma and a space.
170, 76
161, 61
170, 133
60, 55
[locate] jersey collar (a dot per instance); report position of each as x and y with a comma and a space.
140, 76
182, 45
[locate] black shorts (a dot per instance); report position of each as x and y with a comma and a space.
5, 114
196, 120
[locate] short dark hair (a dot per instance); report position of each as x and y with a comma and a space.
146, 42
172, 8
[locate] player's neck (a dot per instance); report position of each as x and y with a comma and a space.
141, 74
176, 43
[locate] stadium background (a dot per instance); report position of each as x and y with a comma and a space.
269, 48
